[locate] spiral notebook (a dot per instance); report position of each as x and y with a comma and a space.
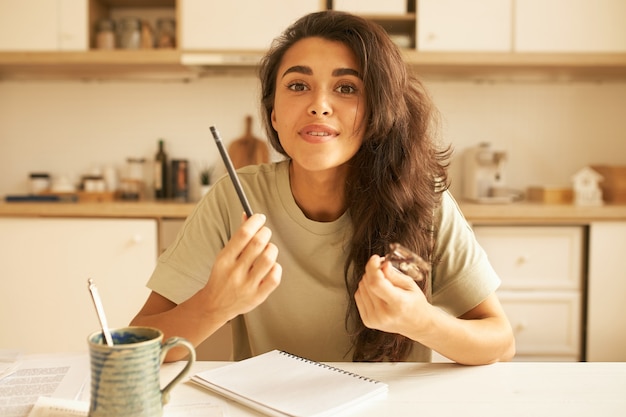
277, 383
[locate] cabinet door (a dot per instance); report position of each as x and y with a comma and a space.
44, 266
43, 25
237, 24
28, 25
606, 332
570, 26
464, 25
73, 33
373, 7
546, 324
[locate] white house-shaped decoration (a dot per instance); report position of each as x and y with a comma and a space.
587, 192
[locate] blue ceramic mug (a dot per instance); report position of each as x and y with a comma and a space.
125, 377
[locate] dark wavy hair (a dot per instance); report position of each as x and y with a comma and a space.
396, 178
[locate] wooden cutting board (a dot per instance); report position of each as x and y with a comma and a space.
248, 149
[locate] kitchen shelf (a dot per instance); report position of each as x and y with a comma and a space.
176, 64
519, 66
93, 64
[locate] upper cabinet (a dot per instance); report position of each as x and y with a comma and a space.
578, 26
464, 25
237, 24
460, 38
43, 25
397, 17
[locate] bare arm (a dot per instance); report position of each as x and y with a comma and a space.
245, 272
392, 302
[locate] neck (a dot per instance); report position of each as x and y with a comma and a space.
320, 194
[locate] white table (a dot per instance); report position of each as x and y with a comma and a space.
443, 389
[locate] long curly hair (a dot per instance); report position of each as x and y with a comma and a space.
395, 179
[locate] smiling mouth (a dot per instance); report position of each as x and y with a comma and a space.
318, 133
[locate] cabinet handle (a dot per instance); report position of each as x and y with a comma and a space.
137, 238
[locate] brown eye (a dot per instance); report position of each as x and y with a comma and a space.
297, 87
346, 89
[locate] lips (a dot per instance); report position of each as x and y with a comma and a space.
318, 133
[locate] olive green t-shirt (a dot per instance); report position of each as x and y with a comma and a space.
305, 315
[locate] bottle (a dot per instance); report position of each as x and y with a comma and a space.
160, 173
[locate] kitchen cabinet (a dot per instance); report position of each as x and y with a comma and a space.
43, 25
397, 17
574, 26
45, 263
542, 272
191, 59
464, 25
237, 24
606, 333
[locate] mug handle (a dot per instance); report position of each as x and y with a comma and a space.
167, 345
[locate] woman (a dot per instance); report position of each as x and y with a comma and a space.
362, 170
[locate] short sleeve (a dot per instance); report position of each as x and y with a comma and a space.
462, 275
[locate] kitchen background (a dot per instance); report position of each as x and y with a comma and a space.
550, 129
542, 80
549, 124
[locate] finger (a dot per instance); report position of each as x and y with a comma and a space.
263, 264
271, 280
367, 301
373, 270
255, 247
375, 279
239, 240
397, 278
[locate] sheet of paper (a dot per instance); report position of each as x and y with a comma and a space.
8, 362
59, 407
61, 376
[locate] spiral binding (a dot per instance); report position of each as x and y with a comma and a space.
329, 367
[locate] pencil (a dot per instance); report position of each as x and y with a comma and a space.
231, 171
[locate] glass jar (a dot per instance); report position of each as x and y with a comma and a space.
166, 33
105, 34
130, 33
133, 184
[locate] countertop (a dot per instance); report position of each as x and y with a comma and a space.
513, 213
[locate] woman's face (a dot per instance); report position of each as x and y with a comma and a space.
319, 105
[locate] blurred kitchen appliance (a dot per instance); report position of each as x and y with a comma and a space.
483, 175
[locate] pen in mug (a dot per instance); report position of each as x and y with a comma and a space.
231, 171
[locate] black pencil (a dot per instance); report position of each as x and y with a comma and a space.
231, 171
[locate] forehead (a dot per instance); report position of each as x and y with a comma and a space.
320, 53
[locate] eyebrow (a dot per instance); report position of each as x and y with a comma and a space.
303, 69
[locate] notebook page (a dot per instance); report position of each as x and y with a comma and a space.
290, 385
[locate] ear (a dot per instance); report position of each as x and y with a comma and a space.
273, 119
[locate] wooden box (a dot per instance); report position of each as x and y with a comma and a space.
550, 195
613, 184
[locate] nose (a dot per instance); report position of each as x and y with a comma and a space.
320, 105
